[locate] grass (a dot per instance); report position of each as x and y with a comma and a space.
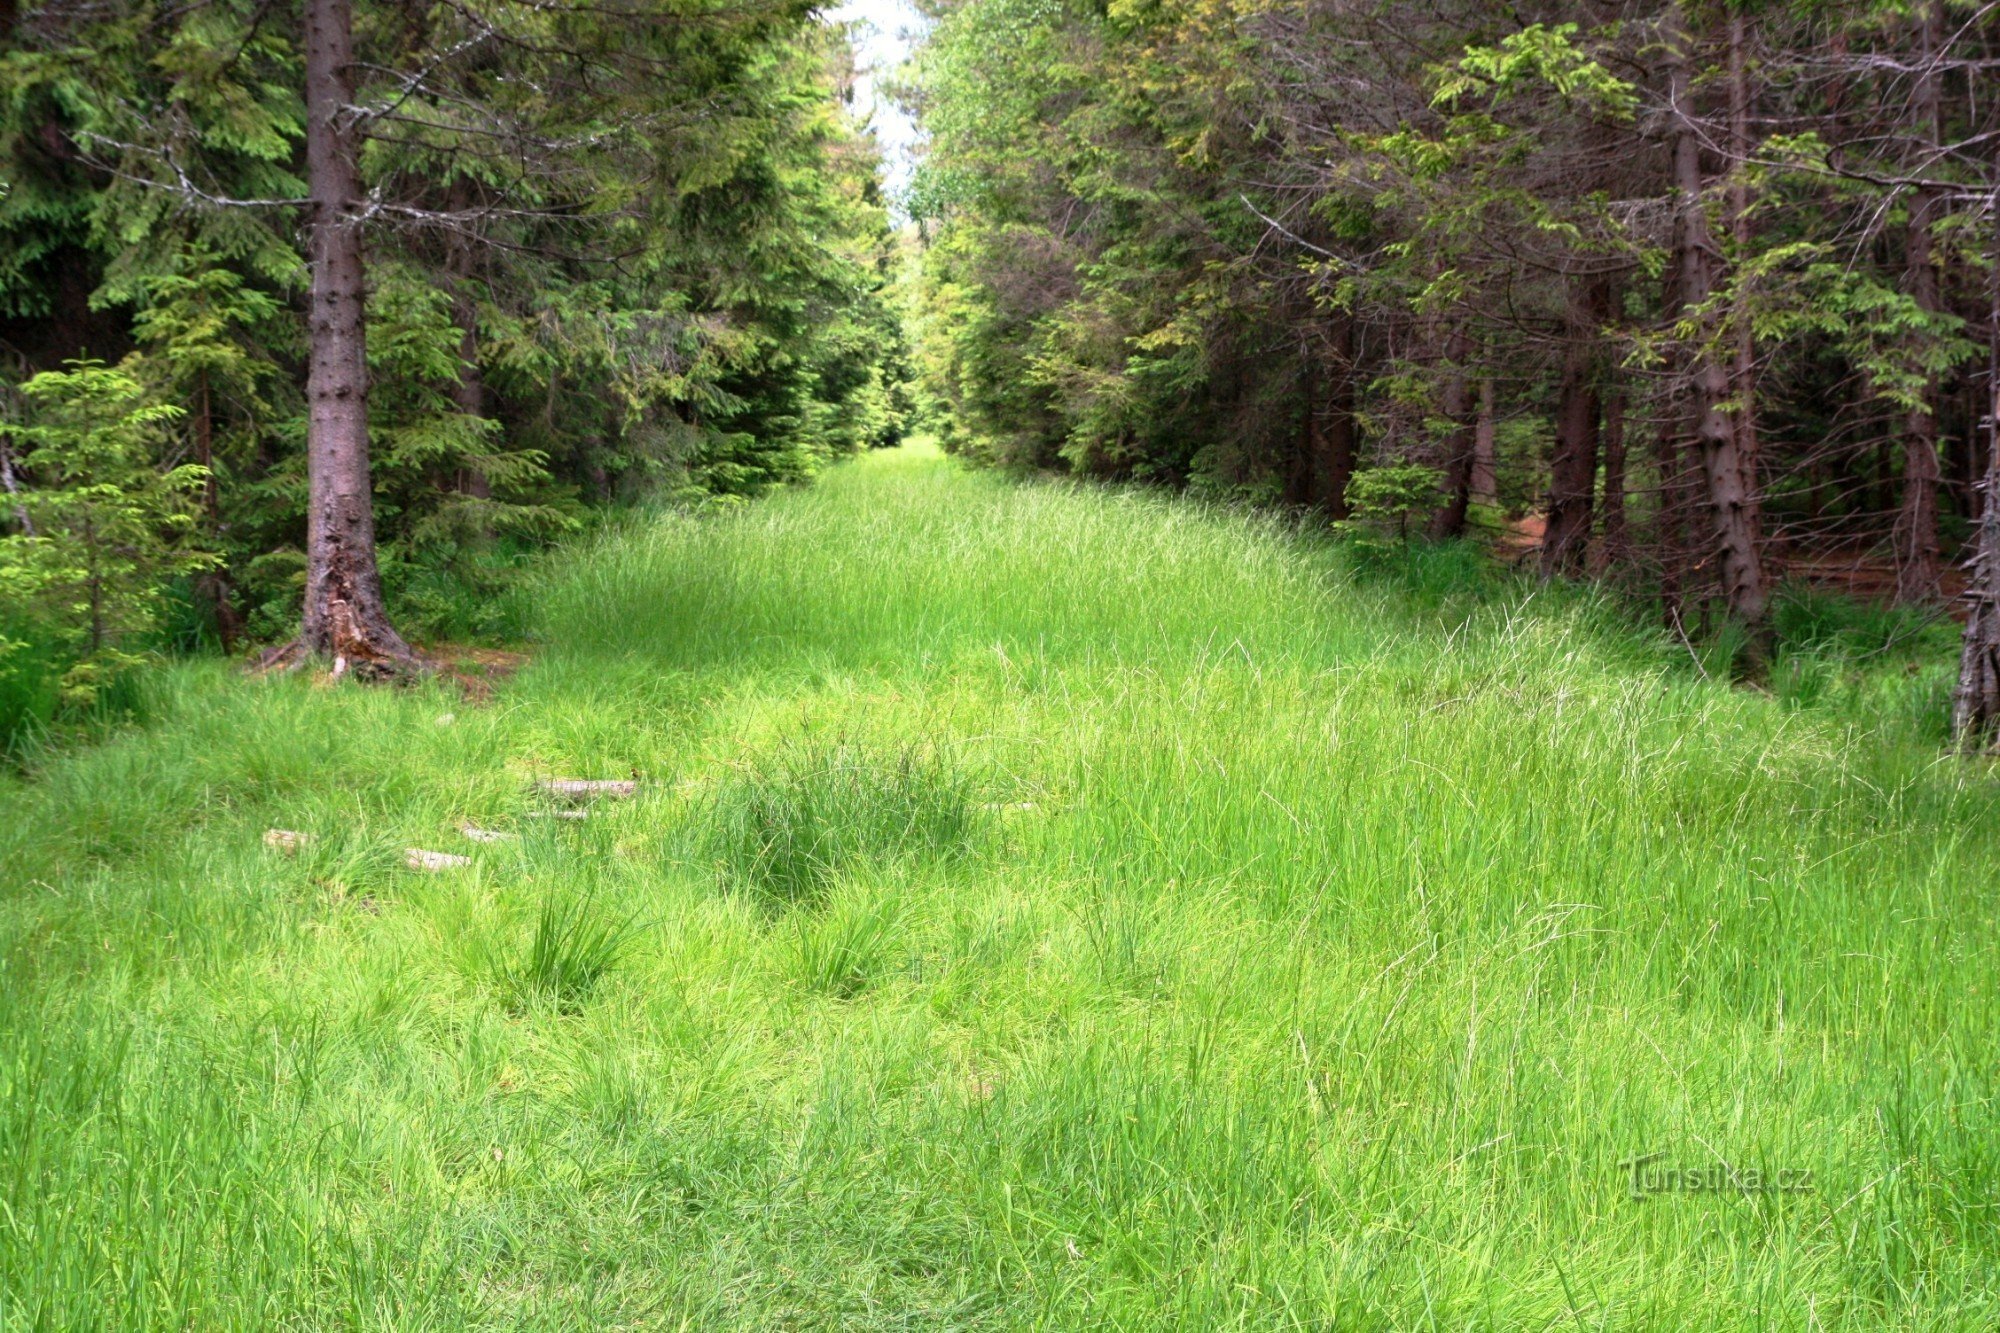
572, 949
792, 821
1045, 908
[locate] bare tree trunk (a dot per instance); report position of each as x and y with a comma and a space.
1671, 519
1743, 375
1616, 545
1299, 477
1573, 470
1340, 425
1449, 521
344, 614
214, 585
1975, 705
1917, 523
13, 488
1485, 469
1732, 505
469, 393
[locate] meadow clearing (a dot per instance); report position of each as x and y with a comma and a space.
1040, 907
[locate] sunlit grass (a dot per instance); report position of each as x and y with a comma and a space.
1043, 907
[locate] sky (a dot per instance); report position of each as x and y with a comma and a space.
891, 28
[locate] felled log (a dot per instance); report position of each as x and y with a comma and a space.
478, 834
285, 841
576, 791
416, 858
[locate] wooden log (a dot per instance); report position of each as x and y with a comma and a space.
478, 834
578, 790
416, 858
285, 841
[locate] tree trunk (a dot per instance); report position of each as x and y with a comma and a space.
1671, 520
344, 614
469, 393
1340, 424
1733, 516
1743, 374
1299, 477
1449, 521
1917, 523
1616, 545
1485, 467
1573, 470
13, 488
214, 584
1975, 705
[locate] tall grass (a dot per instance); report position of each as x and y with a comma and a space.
571, 950
788, 823
1179, 929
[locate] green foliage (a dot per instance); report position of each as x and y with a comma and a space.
658, 286
1214, 245
99, 529
1391, 495
1539, 55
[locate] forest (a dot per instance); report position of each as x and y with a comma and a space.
350, 310
1686, 302
993, 664
1712, 291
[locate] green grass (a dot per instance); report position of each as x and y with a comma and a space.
1046, 908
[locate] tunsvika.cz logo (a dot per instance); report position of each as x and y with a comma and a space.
1647, 1175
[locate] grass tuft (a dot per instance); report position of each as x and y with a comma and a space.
794, 819
573, 948
845, 949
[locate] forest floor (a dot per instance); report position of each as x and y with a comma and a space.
1040, 906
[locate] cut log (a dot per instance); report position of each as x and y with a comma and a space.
557, 814
285, 841
416, 858
578, 790
478, 834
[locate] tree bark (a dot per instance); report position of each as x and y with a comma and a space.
1743, 374
469, 393
344, 613
1485, 469
1975, 705
1733, 515
1917, 521
213, 585
1616, 544
1299, 477
1340, 425
1671, 520
1573, 470
13, 488
1449, 521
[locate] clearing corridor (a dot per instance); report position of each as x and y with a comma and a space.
1032, 906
